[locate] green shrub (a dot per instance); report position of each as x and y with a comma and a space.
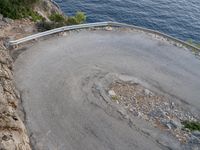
71, 21
35, 16
80, 17
17, 9
57, 18
192, 125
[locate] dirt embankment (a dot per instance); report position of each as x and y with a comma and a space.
13, 134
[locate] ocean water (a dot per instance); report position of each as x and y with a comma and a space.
178, 18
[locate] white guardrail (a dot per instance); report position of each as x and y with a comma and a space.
100, 24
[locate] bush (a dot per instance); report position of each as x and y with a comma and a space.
17, 9
71, 21
58, 20
192, 125
79, 18
35, 16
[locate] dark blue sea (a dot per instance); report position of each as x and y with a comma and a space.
179, 18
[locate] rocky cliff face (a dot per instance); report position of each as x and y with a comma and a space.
47, 7
13, 135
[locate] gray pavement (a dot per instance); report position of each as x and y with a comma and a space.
56, 78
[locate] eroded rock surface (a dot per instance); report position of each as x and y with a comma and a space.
13, 135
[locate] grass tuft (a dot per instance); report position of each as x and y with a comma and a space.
114, 98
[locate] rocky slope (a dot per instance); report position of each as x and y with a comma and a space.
13, 135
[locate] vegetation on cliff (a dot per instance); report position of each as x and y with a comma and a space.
58, 20
17, 9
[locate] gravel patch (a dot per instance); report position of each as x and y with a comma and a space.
158, 109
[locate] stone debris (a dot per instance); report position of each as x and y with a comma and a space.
160, 110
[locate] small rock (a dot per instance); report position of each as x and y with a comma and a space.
7, 20
172, 105
64, 34
131, 110
111, 93
109, 28
157, 113
171, 124
147, 92
140, 114
166, 123
176, 123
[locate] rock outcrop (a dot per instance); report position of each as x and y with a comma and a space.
13, 134
47, 7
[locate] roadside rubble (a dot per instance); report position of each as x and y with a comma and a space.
161, 111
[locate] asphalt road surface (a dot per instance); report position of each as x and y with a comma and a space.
61, 80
